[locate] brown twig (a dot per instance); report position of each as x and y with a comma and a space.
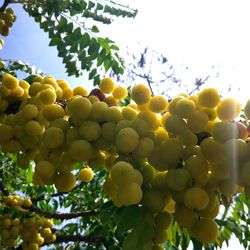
76, 238
61, 216
42, 197
6, 3
3, 189
71, 238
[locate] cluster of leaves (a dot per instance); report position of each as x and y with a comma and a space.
79, 45
84, 197
14, 67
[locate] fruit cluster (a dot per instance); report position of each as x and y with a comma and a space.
175, 158
7, 18
17, 202
33, 230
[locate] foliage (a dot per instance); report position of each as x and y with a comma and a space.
86, 215
78, 43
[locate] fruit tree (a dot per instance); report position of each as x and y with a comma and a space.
114, 168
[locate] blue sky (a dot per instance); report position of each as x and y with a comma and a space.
196, 33
27, 42
193, 33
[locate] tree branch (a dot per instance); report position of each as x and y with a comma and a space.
42, 197
76, 238
61, 216
198, 83
5, 4
3, 189
146, 78
64, 238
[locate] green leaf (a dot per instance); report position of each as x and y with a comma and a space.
114, 47
62, 24
62, 53
38, 18
29, 175
145, 233
51, 33
69, 27
107, 9
101, 57
92, 74
76, 35
95, 29
129, 217
91, 5
107, 64
44, 26
93, 45
77, 7
96, 80
74, 47
67, 58
82, 55
131, 241
54, 41
84, 41
99, 6
30, 79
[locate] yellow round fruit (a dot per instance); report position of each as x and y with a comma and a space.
209, 98
33, 128
185, 217
113, 114
228, 109
129, 113
197, 121
119, 92
205, 230
9, 81
29, 111
106, 85
185, 107
196, 198
158, 104
224, 131
144, 148
174, 124
98, 111
90, 130
47, 96
127, 140
155, 200
45, 169
247, 109
79, 90
130, 194
172, 104
141, 94
161, 235
163, 220
79, 107
150, 118
53, 137
86, 175
122, 173
212, 150
111, 101
81, 150
52, 112
27, 203
140, 126
65, 181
